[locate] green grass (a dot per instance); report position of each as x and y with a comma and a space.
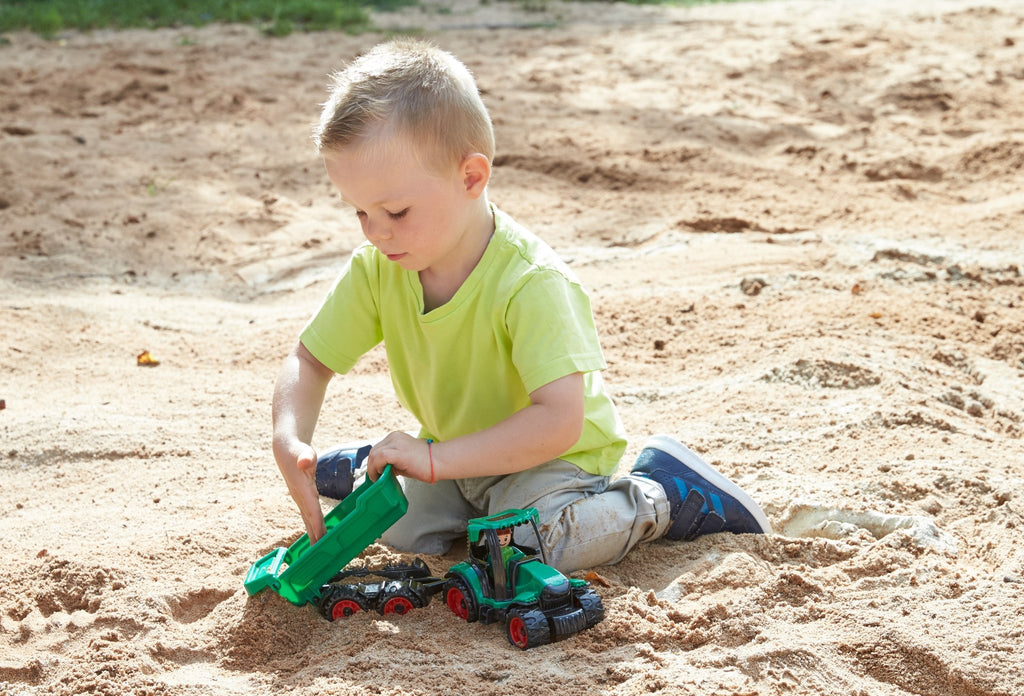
276, 17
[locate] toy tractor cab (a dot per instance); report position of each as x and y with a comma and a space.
489, 543
514, 583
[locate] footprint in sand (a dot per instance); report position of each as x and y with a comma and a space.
804, 519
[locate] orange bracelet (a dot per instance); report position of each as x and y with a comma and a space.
430, 454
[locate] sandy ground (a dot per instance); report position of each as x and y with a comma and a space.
801, 223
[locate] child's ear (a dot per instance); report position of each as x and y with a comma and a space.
475, 171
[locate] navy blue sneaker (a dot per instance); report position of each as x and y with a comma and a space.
335, 471
702, 501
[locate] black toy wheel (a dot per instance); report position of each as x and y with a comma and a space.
460, 600
528, 629
340, 602
398, 600
590, 602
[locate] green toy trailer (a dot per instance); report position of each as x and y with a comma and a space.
299, 572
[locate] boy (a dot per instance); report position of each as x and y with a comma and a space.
490, 342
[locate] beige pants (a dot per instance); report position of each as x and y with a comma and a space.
585, 520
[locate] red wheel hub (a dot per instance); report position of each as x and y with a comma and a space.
456, 601
343, 609
397, 605
517, 632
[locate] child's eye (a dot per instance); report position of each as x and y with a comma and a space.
399, 215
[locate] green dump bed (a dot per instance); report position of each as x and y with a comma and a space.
298, 571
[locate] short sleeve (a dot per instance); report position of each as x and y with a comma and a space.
552, 330
347, 325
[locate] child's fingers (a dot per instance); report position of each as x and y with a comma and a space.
375, 462
398, 449
381, 455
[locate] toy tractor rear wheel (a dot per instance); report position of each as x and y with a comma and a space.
398, 600
340, 602
528, 629
460, 600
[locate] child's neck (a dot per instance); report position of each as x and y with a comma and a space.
442, 281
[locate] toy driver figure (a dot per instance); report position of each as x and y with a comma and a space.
507, 549
508, 552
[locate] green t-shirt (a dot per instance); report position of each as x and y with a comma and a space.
520, 320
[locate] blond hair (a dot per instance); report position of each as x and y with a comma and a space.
412, 88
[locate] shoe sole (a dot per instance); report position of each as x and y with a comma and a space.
345, 447
671, 446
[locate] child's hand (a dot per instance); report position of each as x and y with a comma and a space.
406, 454
298, 464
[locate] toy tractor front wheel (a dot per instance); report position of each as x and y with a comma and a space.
460, 600
528, 629
590, 602
340, 602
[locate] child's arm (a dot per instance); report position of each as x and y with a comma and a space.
298, 396
542, 431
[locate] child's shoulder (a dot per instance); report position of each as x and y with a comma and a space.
533, 250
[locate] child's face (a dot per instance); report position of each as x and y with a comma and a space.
415, 216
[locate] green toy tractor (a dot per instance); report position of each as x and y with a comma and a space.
512, 581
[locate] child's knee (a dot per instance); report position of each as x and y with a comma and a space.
411, 538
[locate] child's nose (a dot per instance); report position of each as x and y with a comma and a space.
376, 230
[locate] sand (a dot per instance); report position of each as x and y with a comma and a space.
801, 223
